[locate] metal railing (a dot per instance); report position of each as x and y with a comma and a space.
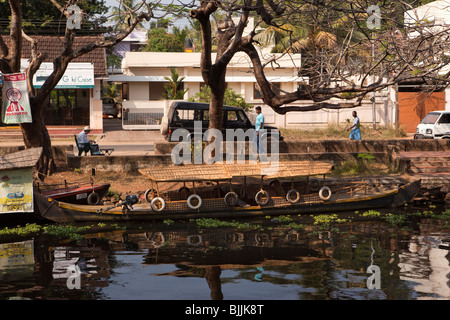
142, 118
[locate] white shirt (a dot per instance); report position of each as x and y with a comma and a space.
82, 137
356, 122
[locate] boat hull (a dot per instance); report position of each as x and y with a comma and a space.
65, 213
78, 194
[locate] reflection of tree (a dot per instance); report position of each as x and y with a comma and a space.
212, 276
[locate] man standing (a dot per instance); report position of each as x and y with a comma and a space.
356, 132
259, 126
84, 144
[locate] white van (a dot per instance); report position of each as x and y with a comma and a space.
435, 125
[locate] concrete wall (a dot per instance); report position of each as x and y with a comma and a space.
326, 150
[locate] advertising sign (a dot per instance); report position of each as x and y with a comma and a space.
16, 104
16, 190
76, 76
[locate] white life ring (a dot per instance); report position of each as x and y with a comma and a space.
231, 196
321, 191
155, 207
289, 194
259, 195
199, 199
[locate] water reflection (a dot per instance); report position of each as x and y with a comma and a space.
185, 262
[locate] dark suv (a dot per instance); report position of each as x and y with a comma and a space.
182, 114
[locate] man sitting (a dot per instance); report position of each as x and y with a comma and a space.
84, 144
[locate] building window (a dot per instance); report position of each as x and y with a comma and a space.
275, 86
125, 91
68, 107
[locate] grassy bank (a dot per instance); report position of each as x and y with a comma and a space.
336, 131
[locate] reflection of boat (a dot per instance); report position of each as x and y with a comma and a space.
208, 202
87, 194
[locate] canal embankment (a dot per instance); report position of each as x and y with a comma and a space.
406, 159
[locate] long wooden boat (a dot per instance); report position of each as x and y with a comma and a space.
87, 194
201, 202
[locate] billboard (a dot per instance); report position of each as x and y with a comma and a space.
16, 104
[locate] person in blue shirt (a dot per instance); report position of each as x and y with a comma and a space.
355, 134
84, 144
259, 126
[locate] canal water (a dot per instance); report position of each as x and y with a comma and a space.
273, 258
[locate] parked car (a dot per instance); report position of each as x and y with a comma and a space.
109, 108
435, 125
182, 114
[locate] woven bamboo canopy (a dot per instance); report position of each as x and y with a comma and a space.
224, 171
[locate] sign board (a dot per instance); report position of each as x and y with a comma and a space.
16, 191
76, 76
16, 104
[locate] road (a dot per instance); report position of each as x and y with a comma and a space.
112, 124
130, 142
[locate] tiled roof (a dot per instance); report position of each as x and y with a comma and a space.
21, 159
53, 46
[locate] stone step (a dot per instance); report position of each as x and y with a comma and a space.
429, 159
433, 163
430, 169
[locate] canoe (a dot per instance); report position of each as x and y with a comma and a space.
128, 210
87, 194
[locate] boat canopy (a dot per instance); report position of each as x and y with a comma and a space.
224, 171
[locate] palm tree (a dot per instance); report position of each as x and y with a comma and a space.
124, 13
174, 89
319, 46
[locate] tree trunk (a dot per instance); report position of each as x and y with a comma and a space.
36, 135
215, 108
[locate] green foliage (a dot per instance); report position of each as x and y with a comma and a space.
231, 98
372, 214
365, 156
327, 219
44, 18
173, 87
159, 40
113, 194
110, 90
28, 229
216, 223
65, 232
395, 219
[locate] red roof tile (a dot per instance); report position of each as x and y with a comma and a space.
53, 46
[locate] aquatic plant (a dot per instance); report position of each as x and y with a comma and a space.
371, 214
28, 229
216, 223
326, 219
65, 232
395, 219
284, 218
295, 226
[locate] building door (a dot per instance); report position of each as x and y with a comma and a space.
414, 106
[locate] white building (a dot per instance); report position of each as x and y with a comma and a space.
144, 75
